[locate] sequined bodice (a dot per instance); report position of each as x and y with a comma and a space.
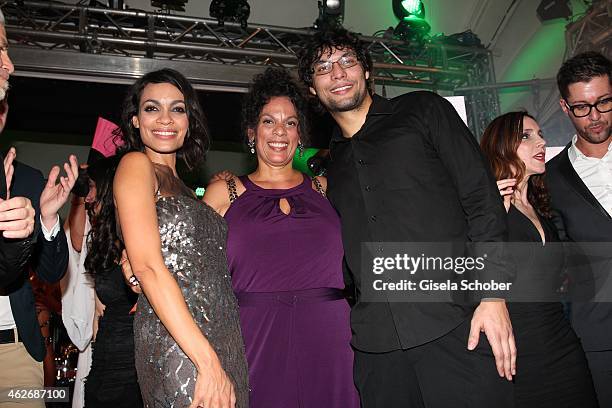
189, 229
193, 245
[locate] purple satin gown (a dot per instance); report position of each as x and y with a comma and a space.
287, 275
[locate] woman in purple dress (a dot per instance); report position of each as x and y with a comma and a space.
285, 255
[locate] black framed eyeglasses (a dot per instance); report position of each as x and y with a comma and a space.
325, 67
581, 110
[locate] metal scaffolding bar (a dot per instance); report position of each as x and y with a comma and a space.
52, 39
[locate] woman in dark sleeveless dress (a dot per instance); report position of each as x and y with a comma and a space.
552, 369
285, 256
188, 346
112, 380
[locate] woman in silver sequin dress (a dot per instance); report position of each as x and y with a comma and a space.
188, 345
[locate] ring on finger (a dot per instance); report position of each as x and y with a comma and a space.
133, 280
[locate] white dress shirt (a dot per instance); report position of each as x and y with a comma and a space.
595, 173
6, 313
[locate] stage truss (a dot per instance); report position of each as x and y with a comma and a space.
64, 41
592, 32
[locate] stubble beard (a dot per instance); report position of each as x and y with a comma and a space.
346, 105
596, 138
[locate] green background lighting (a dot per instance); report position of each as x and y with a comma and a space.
544, 50
301, 163
413, 18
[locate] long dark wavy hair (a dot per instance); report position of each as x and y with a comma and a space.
103, 246
499, 144
104, 243
197, 140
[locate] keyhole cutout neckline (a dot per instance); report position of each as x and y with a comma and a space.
284, 205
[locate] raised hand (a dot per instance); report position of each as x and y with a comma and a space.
55, 195
506, 189
16, 217
222, 175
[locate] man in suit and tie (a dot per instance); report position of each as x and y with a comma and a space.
21, 344
580, 184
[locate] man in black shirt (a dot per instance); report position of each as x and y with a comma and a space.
408, 170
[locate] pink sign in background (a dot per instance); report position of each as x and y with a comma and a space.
104, 139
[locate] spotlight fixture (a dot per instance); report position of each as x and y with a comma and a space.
167, 5
331, 13
230, 10
412, 25
553, 9
332, 7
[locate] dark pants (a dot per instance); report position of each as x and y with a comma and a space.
600, 363
439, 374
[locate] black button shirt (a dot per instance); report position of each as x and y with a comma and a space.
412, 173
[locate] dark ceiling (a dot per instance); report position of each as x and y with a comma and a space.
65, 112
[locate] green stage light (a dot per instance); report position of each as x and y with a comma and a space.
412, 6
412, 25
404, 9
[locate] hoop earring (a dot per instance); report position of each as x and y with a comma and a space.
300, 148
251, 144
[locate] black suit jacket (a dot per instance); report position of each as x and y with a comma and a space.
14, 253
585, 221
49, 261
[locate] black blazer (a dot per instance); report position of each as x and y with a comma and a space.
49, 261
584, 220
14, 253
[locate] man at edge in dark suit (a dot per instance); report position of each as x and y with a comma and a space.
580, 183
21, 344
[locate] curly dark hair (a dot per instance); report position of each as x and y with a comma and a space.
499, 144
271, 83
325, 41
582, 68
103, 245
196, 142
